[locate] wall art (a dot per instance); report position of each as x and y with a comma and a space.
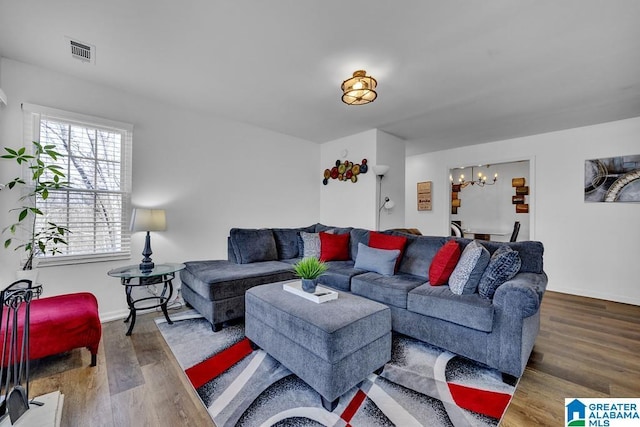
345, 171
424, 196
521, 191
612, 179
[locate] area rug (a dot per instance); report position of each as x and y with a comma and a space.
422, 385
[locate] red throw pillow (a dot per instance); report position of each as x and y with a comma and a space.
385, 241
334, 247
443, 263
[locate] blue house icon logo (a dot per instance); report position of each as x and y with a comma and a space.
576, 413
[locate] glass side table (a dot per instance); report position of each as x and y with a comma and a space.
131, 277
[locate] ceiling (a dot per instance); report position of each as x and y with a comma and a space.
450, 73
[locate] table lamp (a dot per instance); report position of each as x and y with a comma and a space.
148, 220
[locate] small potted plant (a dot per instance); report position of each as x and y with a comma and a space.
40, 237
309, 269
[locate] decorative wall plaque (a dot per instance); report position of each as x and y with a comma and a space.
424, 196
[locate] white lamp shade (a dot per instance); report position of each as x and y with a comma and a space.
380, 169
148, 220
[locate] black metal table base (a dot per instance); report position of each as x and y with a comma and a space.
162, 299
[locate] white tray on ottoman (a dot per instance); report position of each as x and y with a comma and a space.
321, 294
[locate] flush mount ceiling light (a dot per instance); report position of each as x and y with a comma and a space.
359, 89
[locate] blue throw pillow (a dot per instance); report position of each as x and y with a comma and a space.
468, 272
505, 263
381, 261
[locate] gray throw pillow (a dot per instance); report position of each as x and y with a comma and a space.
468, 272
310, 244
251, 245
505, 263
381, 261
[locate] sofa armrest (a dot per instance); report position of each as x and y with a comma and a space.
522, 295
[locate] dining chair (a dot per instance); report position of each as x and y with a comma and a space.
516, 230
456, 229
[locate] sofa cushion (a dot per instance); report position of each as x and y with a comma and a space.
391, 290
339, 274
217, 280
470, 310
443, 263
337, 230
387, 241
252, 245
288, 241
504, 264
418, 254
381, 261
466, 276
334, 247
358, 235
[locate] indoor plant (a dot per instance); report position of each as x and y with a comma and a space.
309, 269
40, 237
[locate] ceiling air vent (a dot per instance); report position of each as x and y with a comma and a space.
82, 51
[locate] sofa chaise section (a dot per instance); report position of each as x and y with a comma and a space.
216, 288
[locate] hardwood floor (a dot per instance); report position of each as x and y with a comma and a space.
586, 348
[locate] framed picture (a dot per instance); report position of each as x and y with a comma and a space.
424, 196
612, 179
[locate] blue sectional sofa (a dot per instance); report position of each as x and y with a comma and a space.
499, 331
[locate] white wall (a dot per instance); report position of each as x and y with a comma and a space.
345, 203
590, 248
391, 151
356, 204
210, 174
490, 208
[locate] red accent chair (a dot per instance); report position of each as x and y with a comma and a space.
61, 323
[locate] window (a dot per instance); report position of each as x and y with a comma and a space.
97, 163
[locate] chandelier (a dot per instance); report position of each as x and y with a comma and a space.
480, 181
359, 89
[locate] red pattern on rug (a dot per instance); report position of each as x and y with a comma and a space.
353, 406
210, 368
484, 402
484, 406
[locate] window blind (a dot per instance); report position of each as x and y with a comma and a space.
96, 204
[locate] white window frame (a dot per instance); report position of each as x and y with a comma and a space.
33, 114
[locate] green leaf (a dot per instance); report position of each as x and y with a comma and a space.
23, 214
7, 243
45, 194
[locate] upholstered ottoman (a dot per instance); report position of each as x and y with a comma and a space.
61, 323
332, 346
